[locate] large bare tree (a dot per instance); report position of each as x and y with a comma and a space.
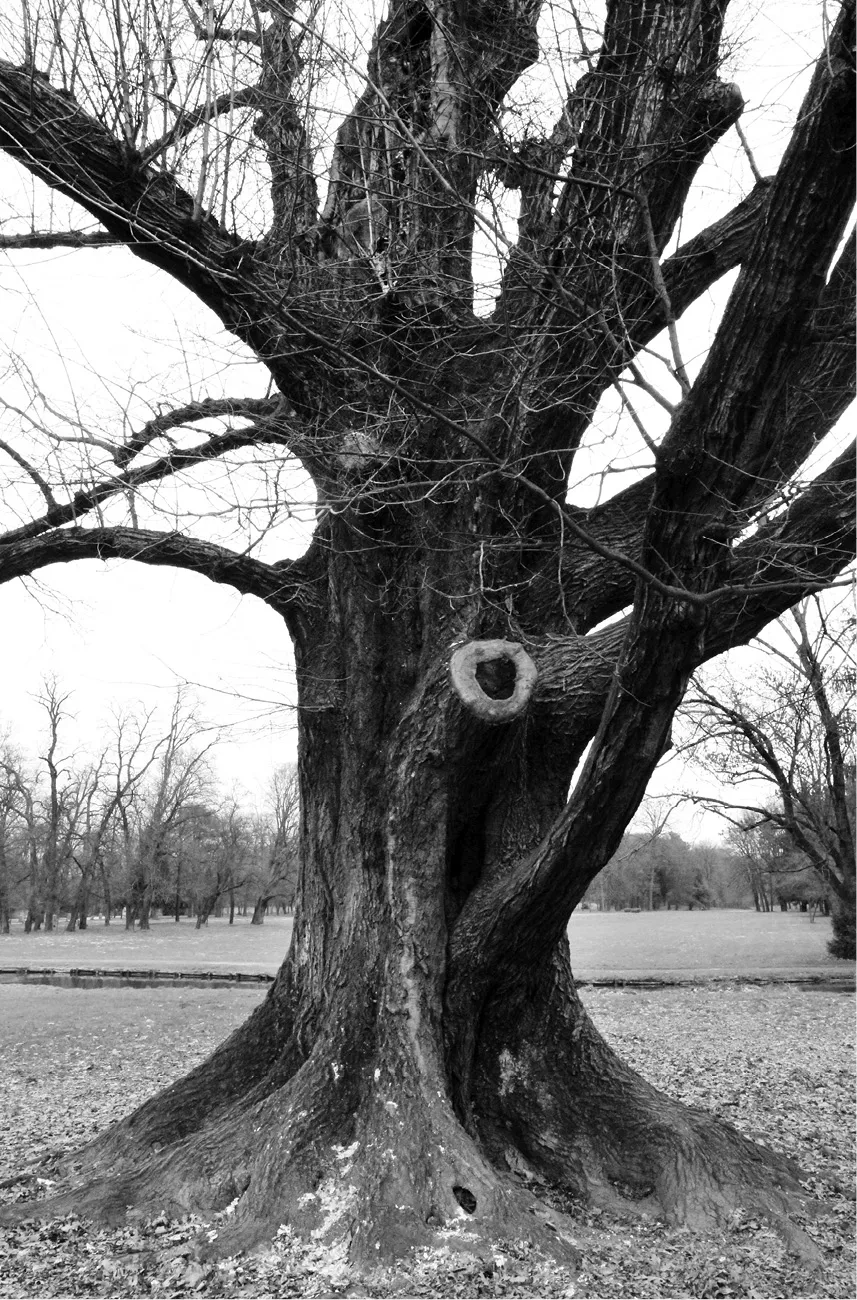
462, 629
783, 738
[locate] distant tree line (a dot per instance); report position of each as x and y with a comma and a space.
137, 829
756, 866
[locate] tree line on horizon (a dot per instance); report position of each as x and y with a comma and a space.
750, 868
144, 828
138, 828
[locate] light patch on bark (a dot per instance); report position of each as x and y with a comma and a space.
407, 960
333, 1202
347, 1154
357, 449
444, 99
512, 1071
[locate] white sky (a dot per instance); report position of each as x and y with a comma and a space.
124, 632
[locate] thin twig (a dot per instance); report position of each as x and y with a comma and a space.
757, 175
663, 294
32, 472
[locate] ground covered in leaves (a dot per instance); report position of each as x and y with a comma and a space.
774, 1060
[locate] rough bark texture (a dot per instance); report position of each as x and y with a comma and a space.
422, 1057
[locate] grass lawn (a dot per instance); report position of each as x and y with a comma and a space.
776, 1061
603, 944
685, 943
168, 945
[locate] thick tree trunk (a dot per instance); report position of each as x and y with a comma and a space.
422, 1061
372, 1144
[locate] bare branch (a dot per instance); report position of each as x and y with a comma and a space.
60, 239
45, 130
87, 499
281, 586
205, 409
32, 472
187, 122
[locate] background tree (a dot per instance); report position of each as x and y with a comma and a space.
171, 803
110, 789
11, 872
649, 872
776, 874
462, 630
758, 857
53, 821
276, 875
789, 729
48, 799
220, 841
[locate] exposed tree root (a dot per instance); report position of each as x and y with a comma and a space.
558, 1105
356, 1147
370, 1173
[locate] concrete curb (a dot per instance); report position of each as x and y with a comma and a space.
115, 977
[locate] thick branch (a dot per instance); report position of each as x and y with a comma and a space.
796, 553
208, 408
717, 451
653, 110
48, 133
282, 129
819, 387
649, 113
636, 671
701, 262
801, 551
278, 585
436, 77
60, 239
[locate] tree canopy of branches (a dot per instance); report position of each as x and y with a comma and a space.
791, 728
465, 621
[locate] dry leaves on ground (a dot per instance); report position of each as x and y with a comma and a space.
774, 1060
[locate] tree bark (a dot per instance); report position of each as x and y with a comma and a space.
422, 1061
349, 1064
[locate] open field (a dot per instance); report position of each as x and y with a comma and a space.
603, 944
168, 945
729, 942
776, 1061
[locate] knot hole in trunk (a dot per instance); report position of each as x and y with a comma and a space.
493, 679
497, 678
465, 1199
